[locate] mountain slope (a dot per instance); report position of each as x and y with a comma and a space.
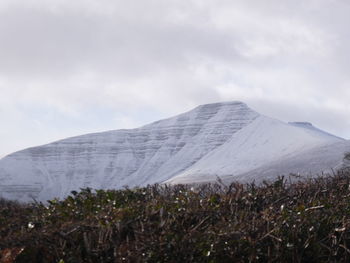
262, 142
149, 154
225, 139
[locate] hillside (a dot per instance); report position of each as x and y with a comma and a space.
226, 139
307, 221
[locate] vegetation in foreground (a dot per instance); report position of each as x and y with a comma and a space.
307, 221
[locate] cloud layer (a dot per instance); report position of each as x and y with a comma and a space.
72, 67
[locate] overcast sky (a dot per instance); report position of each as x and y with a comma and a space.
73, 67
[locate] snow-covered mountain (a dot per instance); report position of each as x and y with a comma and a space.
228, 140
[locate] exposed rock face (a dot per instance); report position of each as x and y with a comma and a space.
222, 139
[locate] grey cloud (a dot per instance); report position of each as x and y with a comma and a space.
285, 58
38, 41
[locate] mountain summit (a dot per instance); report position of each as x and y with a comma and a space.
227, 139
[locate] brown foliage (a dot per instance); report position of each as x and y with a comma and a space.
305, 221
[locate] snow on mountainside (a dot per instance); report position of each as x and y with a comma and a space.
153, 153
262, 142
321, 159
221, 139
309, 126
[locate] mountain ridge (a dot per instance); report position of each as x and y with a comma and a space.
201, 141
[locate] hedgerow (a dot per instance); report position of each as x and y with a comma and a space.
280, 221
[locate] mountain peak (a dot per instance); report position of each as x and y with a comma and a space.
227, 104
309, 126
225, 111
216, 139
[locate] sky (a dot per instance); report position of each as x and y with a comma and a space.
74, 67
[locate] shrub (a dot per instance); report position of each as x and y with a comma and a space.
305, 221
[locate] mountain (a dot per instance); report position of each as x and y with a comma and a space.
228, 140
265, 149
